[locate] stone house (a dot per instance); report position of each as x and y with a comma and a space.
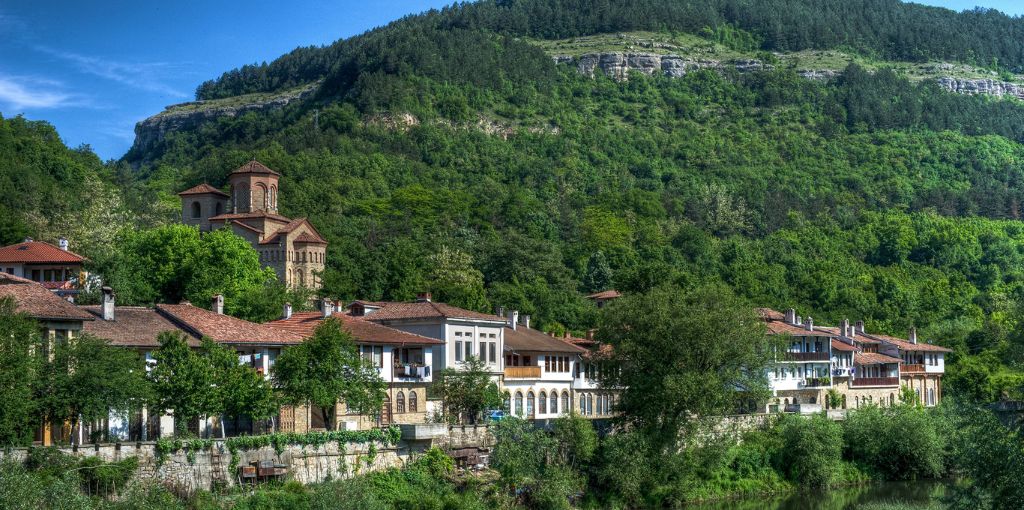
54, 267
293, 248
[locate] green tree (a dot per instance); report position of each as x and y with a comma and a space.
183, 380
669, 370
466, 391
599, 274
87, 378
812, 450
240, 390
454, 280
326, 370
19, 337
575, 441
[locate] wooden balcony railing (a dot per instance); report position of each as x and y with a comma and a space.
522, 372
908, 368
876, 381
805, 356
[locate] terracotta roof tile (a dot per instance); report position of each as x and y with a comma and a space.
364, 332
839, 345
873, 358
133, 326
526, 339
769, 314
779, 328
308, 238
245, 226
313, 237
907, 346
225, 328
203, 189
254, 167
605, 294
35, 301
38, 252
249, 216
426, 310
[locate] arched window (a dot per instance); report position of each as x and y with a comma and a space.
554, 402
273, 197
566, 408
892, 399
197, 210
543, 403
590, 404
219, 208
844, 401
529, 404
519, 404
259, 198
583, 404
400, 403
413, 404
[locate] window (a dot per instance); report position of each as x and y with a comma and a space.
590, 404
554, 402
565, 402
197, 210
543, 403
583, 404
373, 353
529, 405
469, 349
400, 403
493, 357
458, 349
519, 404
413, 404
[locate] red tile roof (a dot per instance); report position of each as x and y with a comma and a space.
133, 326
251, 215
426, 310
244, 225
769, 314
364, 332
779, 328
38, 252
225, 328
313, 237
605, 294
308, 238
254, 167
531, 340
905, 345
873, 358
839, 345
203, 189
35, 301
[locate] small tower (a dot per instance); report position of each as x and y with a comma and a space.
253, 189
200, 203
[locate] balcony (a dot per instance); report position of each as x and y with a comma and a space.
842, 372
817, 382
805, 356
875, 381
522, 372
911, 368
413, 371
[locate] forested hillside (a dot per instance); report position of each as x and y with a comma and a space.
448, 151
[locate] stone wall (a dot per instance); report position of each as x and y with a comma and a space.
185, 474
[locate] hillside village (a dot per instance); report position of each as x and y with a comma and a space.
543, 376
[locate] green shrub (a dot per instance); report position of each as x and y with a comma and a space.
896, 443
812, 450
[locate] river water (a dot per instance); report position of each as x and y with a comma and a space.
915, 493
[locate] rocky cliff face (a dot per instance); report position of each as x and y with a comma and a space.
619, 65
189, 115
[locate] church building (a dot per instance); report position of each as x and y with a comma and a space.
293, 248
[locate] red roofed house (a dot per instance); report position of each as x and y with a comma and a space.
603, 297
404, 360
54, 267
293, 248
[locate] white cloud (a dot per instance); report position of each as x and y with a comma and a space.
144, 76
27, 93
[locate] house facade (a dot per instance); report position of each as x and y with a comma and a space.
540, 372
54, 267
292, 248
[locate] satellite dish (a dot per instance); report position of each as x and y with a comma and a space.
835, 360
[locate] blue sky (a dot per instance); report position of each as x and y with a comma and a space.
95, 68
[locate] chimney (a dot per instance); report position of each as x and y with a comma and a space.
810, 323
799, 320
513, 319
501, 311
423, 297
590, 334
526, 321
107, 308
791, 316
913, 336
62, 243
218, 304
339, 306
327, 307
27, 240
845, 327
287, 312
